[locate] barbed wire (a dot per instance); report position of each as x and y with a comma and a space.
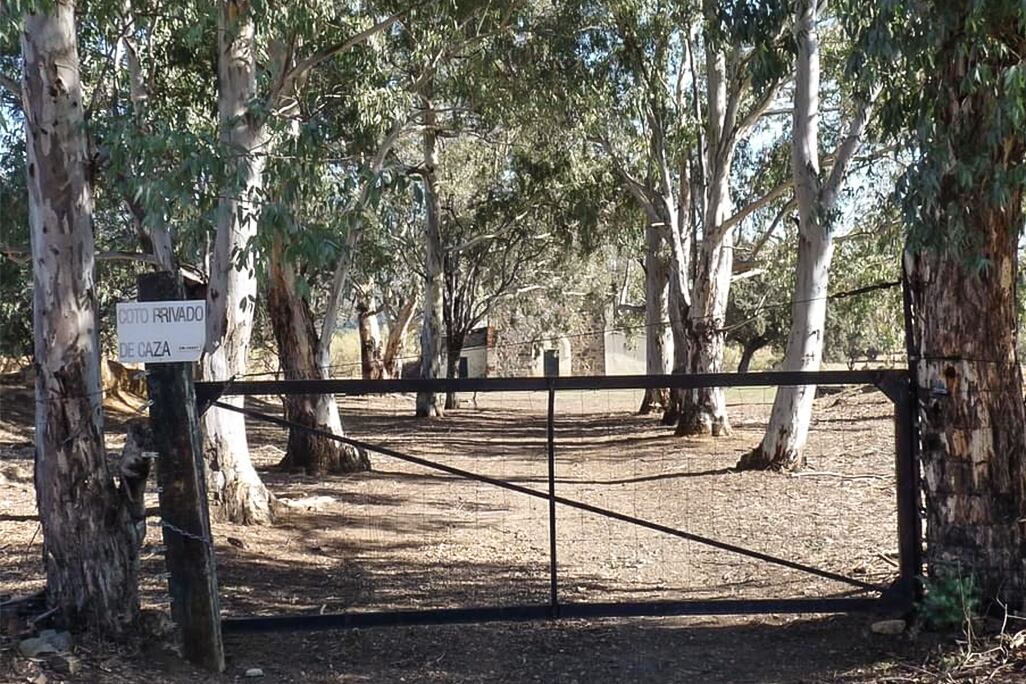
185, 533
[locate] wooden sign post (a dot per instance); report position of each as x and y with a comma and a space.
182, 486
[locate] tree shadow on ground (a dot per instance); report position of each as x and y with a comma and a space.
771, 649
337, 575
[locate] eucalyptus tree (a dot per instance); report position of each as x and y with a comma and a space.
447, 50
259, 75
746, 64
387, 83
150, 224
817, 198
673, 90
105, 149
325, 176
644, 127
349, 145
320, 230
90, 538
955, 93
297, 230
432, 310
149, 133
497, 229
387, 275
658, 342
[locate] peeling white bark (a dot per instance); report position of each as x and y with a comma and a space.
88, 535
658, 339
397, 338
238, 493
296, 335
705, 409
782, 446
371, 347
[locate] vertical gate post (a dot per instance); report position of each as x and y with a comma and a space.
907, 471
182, 489
551, 440
906, 433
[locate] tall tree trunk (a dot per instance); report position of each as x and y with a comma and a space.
431, 330
972, 420
371, 363
238, 494
656, 339
788, 429
678, 314
452, 367
392, 360
973, 427
705, 409
454, 349
340, 278
89, 538
782, 447
296, 336
678, 303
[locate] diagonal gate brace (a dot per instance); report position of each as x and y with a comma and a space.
571, 503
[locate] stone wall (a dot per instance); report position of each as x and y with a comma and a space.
526, 327
589, 350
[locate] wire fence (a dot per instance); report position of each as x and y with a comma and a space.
472, 514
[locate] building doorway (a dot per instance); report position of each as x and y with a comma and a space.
551, 363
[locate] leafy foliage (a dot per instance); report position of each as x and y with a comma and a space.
524, 91
15, 269
951, 70
949, 601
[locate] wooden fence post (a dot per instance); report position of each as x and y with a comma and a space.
182, 487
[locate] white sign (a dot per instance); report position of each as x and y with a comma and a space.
161, 332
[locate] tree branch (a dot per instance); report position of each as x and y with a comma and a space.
755, 205
641, 192
764, 238
340, 277
304, 66
120, 255
758, 110
846, 150
477, 239
729, 128
696, 105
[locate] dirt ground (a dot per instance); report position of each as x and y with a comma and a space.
402, 536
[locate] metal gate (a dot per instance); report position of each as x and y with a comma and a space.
899, 595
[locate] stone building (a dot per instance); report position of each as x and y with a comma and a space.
573, 337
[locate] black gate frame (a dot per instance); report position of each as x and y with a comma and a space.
897, 385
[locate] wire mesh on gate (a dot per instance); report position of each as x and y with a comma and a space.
455, 514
